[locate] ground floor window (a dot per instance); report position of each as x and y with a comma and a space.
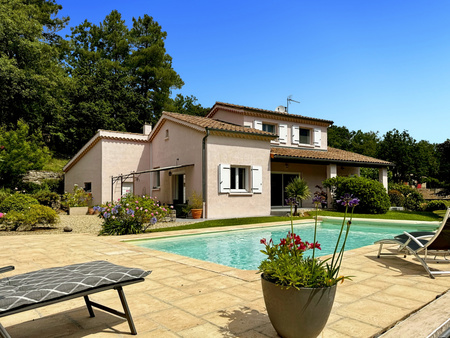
278, 186
156, 180
239, 179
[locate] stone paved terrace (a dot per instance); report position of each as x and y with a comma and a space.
184, 297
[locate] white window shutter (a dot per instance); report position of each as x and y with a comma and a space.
295, 134
257, 179
224, 178
317, 137
257, 125
283, 128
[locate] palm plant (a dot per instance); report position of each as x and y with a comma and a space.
297, 190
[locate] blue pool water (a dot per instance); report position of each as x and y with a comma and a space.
241, 248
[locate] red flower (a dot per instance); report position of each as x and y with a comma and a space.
283, 241
263, 241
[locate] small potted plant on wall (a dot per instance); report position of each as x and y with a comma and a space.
299, 291
195, 205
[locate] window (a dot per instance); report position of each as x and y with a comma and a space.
305, 136
167, 134
156, 180
269, 128
88, 186
239, 179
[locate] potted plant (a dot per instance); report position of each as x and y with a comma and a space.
195, 205
77, 202
299, 291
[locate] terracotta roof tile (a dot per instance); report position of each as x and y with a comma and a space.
209, 123
265, 111
332, 155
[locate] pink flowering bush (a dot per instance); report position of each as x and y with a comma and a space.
130, 215
286, 265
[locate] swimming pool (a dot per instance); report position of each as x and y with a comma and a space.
241, 248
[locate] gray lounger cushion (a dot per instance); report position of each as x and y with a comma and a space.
47, 284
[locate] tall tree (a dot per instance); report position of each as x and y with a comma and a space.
186, 105
32, 77
340, 137
443, 153
399, 148
122, 77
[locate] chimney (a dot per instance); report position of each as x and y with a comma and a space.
147, 129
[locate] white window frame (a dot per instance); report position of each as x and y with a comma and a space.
236, 174
230, 175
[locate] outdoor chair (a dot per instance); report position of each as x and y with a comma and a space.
422, 243
49, 286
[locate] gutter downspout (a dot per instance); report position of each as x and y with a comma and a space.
204, 170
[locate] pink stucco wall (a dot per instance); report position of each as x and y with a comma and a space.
109, 158
236, 152
176, 144
87, 169
123, 157
248, 120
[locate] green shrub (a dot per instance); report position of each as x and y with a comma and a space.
396, 197
436, 205
48, 198
3, 194
17, 202
29, 218
372, 194
77, 198
403, 188
130, 215
54, 185
414, 201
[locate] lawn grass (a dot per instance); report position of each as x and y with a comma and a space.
395, 215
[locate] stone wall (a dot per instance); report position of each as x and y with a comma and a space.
37, 177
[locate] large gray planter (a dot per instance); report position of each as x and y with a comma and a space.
298, 313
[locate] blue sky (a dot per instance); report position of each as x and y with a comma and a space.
368, 65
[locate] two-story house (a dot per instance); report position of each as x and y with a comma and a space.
238, 158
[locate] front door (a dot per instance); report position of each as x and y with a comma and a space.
278, 185
178, 189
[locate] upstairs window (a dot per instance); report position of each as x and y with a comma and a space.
269, 128
305, 136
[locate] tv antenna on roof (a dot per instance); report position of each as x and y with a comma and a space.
289, 99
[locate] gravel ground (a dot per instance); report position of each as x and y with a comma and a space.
86, 224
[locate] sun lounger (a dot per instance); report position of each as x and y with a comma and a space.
423, 243
49, 286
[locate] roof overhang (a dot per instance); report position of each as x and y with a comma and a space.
278, 158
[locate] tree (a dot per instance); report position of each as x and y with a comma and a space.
122, 78
20, 152
340, 137
443, 154
186, 105
297, 190
364, 143
399, 148
32, 77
